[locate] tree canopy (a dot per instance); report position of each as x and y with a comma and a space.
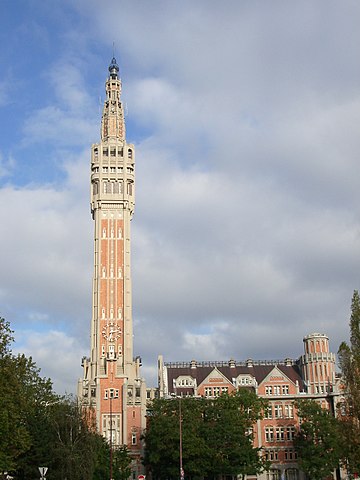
216, 436
40, 428
349, 408
318, 440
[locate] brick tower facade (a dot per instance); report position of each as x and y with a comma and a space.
111, 386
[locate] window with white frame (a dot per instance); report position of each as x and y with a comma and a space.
285, 389
268, 412
280, 434
269, 434
216, 391
273, 474
272, 455
268, 390
208, 391
289, 410
277, 390
290, 433
278, 411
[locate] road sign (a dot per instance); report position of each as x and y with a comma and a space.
43, 471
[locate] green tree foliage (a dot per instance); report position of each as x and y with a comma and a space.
39, 428
349, 411
162, 439
318, 441
216, 436
229, 421
14, 437
121, 463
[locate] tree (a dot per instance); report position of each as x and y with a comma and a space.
14, 438
162, 437
39, 428
318, 441
216, 436
349, 411
121, 463
228, 430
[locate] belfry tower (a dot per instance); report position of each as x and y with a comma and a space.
111, 387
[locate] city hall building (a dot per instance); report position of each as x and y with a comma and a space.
112, 390
312, 376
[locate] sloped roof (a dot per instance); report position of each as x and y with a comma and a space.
258, 370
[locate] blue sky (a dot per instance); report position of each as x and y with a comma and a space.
245, 116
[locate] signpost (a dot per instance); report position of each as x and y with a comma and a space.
43, 471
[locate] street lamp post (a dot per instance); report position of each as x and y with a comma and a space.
110, 443
180, 442
182, 474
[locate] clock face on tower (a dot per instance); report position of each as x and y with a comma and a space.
111, 332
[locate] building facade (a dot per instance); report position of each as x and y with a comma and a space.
112, 388
312, 376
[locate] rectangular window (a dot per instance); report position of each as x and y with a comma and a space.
290, 433
133, 438
208, 392
268, 412
289, 411
272, 455
285, 389
269, 434
268, 390
278, 411
277, 390
279, 434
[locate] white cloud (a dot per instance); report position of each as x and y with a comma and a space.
246, 230
56, 353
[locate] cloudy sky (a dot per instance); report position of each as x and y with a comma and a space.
245, 115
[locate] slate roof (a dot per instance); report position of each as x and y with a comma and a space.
257, 370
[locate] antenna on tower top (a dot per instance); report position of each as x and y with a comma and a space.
99, 104
113, 49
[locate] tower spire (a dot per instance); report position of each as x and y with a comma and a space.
112, 387
112, 122
113, 68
